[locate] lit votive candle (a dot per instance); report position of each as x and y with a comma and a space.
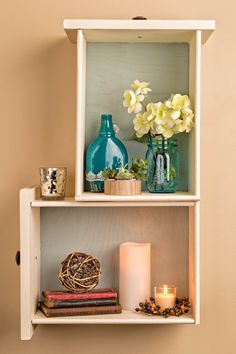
165, 295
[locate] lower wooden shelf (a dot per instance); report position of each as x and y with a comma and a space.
50, 230
126, 317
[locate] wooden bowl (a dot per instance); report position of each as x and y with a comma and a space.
122, 187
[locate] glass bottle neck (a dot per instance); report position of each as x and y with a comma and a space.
106, 127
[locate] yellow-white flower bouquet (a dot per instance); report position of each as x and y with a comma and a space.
156, 123
173, 116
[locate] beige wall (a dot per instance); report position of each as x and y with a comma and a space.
37, 107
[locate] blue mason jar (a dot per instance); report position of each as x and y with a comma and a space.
163, 165
106, 151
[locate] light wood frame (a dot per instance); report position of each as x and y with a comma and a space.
192, 32
30, 265
80, 31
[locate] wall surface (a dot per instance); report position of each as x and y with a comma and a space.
37, 112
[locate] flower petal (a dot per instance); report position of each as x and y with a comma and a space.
140, 98
175, 114
133, 97
137, 107
130, 109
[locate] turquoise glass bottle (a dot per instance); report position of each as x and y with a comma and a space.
106, 151
163, 165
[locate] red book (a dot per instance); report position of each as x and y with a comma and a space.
93, 294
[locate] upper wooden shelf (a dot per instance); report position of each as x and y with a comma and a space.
138, 30
101, 200
143, 197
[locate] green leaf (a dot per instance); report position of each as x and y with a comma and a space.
125, 175
142, 140
109, 173
139, 168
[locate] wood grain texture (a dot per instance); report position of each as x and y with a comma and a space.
80, 112
141, 24
197, 112
99, 30
126, 317
195, 93
99, 232
111, 67
71, 202
143, 197
30, 260
118, 187
194, 260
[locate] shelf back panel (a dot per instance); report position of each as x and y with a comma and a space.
111, 67
99, 232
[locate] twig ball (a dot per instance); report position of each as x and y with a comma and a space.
80, 272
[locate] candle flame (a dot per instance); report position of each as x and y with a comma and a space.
165, 290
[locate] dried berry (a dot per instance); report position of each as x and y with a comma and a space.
182, 306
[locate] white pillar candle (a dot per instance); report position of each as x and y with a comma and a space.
134, 274
165, 296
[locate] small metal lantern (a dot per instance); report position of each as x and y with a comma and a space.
52, 182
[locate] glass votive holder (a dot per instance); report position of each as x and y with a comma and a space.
165, 295
53, 182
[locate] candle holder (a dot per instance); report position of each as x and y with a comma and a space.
52, 182
165, 295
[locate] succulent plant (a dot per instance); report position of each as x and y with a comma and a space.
124, 173
138, 170
109, 173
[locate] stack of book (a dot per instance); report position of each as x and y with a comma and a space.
65, 303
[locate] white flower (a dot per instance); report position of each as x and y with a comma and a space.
167, 133
141, 125
161, 112
175, 114
170, 117
150, 114
162, 118
141, 87
132, 101
178, 102
185, 123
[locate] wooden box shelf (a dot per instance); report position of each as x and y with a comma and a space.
110, 55
97, 223
171, 227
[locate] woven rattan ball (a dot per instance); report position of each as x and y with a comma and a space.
80, 272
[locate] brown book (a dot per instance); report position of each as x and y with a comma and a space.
104, 293
78, 303
80, 311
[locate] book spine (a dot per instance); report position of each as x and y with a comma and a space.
83, 296
79, 303
81, 311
